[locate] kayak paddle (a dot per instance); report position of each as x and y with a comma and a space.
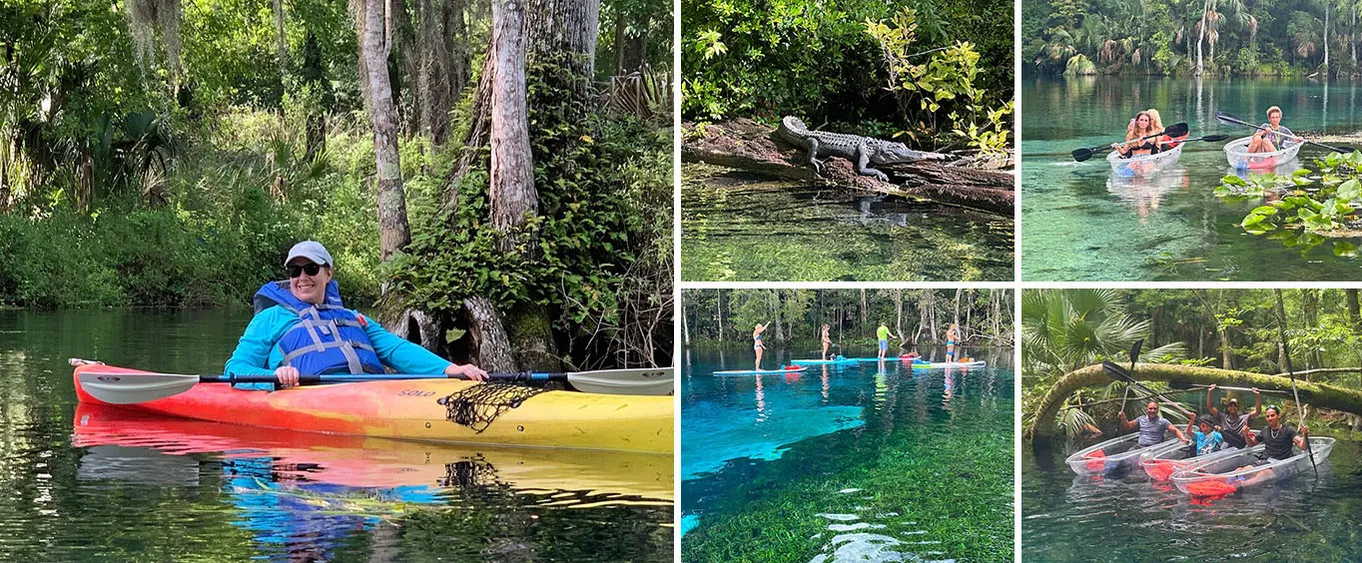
1122, 374
1174, 130
1231, 118
1134, 357
1286, 355
130, 388
1184, 385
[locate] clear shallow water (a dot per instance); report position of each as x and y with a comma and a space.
740, 227
1081, 223
93, 484
840, 463
1070, 518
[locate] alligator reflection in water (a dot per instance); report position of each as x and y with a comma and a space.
740, 226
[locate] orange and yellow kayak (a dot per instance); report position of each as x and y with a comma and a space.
438, 410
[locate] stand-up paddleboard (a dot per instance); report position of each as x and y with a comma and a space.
790, 369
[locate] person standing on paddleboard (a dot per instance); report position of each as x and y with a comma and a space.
827, 341
300, 327
883, 334
952, 334
1151, 427
757, 346
1273, 136
1231, 421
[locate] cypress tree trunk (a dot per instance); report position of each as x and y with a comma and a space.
392, 200
630, 48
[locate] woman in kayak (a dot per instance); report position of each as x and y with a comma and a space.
1273, 136
827, 341
301, 328
1136, 144
757, 346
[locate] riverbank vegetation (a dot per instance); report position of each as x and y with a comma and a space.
920, 316
1191, 38
1064, 331
937, 73
1307, 208
501, 197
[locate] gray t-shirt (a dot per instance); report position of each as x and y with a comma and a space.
1233, 428
1151, 431
1281, 138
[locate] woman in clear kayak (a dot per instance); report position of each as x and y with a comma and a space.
1136, 144
1273, 136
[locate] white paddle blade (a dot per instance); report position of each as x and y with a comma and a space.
132, 388
643, 381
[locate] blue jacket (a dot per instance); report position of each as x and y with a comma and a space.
259, 351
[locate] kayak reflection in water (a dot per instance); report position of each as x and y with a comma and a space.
300, 327
1151, 427
1272, 137
1233, 423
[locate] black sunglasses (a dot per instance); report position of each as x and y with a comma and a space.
311, 269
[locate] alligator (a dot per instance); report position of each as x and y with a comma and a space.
861, 151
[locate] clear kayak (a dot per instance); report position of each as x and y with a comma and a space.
787, 369
1145, 165
1163, 464
825, 362
1236, 152
1226, 475
1114, 457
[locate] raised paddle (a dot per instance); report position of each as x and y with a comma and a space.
1134, 357
1185, 385
1124, 375
1231, 118
129, 388
1286, 355
1174, 130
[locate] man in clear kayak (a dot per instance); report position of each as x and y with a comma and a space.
1273, 136
300, 327
1151, 427
1277, 437
1231, 421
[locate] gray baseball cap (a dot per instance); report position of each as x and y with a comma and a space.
312, 250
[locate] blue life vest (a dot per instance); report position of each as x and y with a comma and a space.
328, 337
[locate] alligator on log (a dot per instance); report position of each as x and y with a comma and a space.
1318, 394
747, 145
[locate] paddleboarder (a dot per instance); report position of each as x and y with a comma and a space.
300, 327
757, 346
1231, 421
952, 334
1273, 136
883, 334
1151, 427
827, 340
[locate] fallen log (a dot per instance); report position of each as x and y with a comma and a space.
746, 145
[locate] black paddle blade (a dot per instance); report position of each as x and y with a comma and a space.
1117, 371
1214, 138
1081, 154
1176, 130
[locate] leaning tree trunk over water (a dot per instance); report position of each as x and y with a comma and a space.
1320, 395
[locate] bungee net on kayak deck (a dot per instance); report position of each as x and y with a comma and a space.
478, 406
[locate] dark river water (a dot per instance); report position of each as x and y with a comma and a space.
101, 484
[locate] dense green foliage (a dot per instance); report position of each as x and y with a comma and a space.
172, 158
1240, 37
919, 315
822, 61
1307, 208
1063, 330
